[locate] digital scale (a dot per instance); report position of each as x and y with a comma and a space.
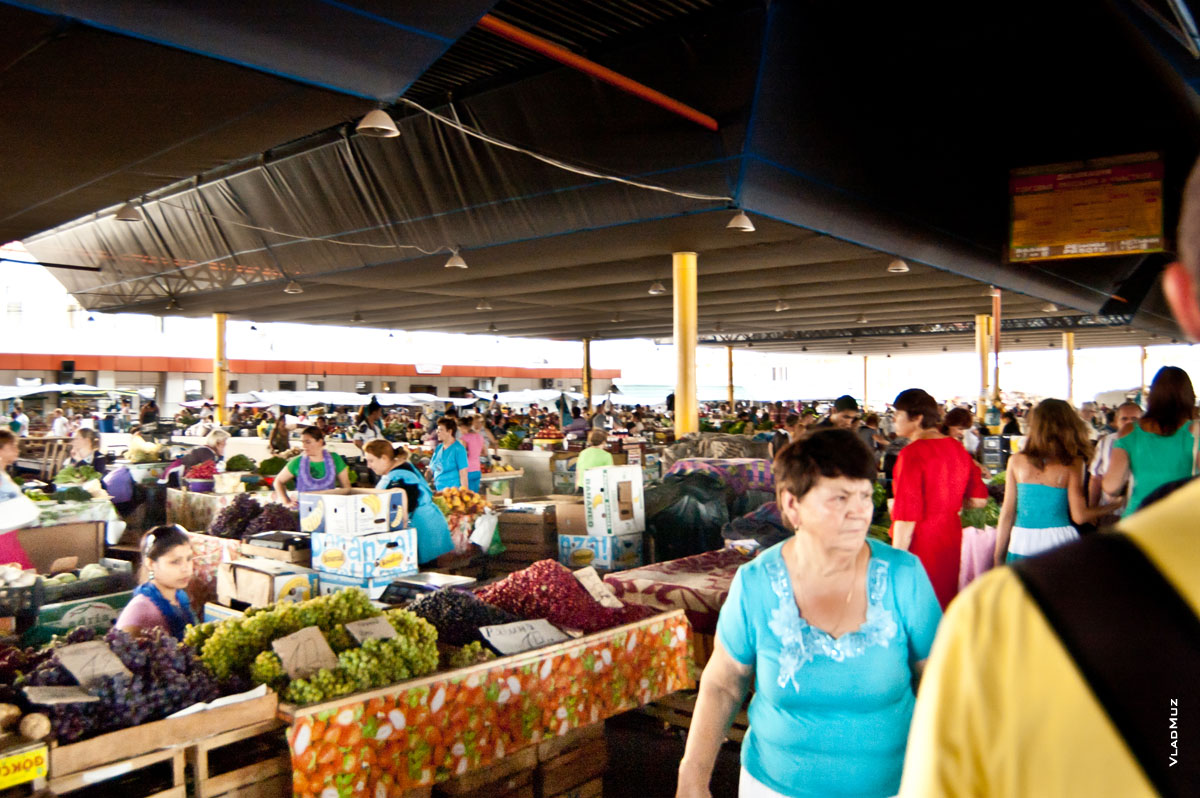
406, 588
284, 541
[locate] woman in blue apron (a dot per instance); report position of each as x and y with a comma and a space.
394, 470
316, 469
162, 600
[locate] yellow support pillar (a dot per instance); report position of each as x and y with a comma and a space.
1069, 346
587, 379
687, 411
1144, 389
996, 347
864, 404
729, 353
982, 325
220, 371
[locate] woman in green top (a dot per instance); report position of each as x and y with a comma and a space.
316, 469
594, 456
1160, 448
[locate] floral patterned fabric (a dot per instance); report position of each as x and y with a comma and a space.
697, 584
742, 474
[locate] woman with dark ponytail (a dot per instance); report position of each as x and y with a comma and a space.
162, 601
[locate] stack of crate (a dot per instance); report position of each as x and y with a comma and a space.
529, 532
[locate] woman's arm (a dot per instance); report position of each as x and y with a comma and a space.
1080, 512
343, 478
281, 482
1008, 513
723, 689
1118, 472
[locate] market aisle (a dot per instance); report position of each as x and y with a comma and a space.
643, 759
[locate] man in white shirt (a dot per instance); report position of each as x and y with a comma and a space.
20, 423
59, 426
1127, 413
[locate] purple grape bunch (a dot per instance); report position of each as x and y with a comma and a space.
233, 520
274, 518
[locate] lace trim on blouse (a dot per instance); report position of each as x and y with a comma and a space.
801, 643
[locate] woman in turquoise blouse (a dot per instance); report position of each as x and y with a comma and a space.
1161, 447
448, 466
394, 471
832, 629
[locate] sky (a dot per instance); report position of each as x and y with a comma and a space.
40, 317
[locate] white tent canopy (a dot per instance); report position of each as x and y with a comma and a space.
347, 399
532, 396
16, 392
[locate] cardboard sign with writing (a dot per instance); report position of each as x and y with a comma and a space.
304, 653
48, 696
513, 638
369, 628
63, 564
90, 662
596, 587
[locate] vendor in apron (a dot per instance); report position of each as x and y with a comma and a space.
316, 469
394, 470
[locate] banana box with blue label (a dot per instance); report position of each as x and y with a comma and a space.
614, 500
383, 555
353, 511
372, 586
259, 582
608, 552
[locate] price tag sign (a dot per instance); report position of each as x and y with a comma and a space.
90, 662
48, 696
304, 653
23, 767
513, 638
596, 587
371, 628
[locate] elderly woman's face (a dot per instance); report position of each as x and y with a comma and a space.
836, 512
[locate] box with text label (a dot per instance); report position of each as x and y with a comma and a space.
373, 587
353, 511
610, 552
387, 554
261, 582
614, 500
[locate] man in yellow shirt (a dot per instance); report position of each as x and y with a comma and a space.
1004, 710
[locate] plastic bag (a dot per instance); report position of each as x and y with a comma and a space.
119, 484
765, 526
485, 531
692, 523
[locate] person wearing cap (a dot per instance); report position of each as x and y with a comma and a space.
843, 415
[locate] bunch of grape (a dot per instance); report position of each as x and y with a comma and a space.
232, 521
470, 654
267, 669
274, 518
548, 590
457, 615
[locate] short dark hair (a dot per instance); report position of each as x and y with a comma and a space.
826, 453
791, 420
915, 402
161, 539
314, 432
449, 424
959, 417
845, 402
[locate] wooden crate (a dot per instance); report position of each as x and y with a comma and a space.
590, 789
509, 775
678, 708
95, 780
576, 767
245, 762
557, 746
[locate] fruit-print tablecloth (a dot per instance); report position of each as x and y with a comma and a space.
742, 474
208, 552
425, 731
697, 584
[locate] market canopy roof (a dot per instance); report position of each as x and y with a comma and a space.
844, 150
17, 392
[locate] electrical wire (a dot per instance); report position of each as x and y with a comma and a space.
579, 170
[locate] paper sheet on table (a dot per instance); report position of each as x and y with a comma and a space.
224, 701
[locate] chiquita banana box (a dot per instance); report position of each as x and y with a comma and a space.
353, 511
386, 554
608, 552
614, 500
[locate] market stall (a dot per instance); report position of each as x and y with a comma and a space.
195, 511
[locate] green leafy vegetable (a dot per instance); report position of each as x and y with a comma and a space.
272, 466
76, 475
240, 462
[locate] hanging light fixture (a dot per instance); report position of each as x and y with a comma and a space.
849, 351
718, 326
781, 306
945, 349
129, 213
293, 287
455, 261
898, 266
356, 318
491, 328
91, 317
172, 303
616, 318
657, 288
377, 124
862, 318
484, 304
741, 222
253, 328
804, 349
1049, 307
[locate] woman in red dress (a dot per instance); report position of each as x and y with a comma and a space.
934, 478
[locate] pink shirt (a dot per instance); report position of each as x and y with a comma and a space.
140, 613
474, 443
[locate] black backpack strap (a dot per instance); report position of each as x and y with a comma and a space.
1136, 642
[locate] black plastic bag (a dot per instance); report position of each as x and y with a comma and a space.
692, 522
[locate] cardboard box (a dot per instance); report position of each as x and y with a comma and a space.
610, 552
219, 612
97, 612
614, 500
260, 582
45, 544
298, 556
353, 511
572, 520
385, 555
332, 583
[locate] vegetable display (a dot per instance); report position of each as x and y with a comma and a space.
470, 654
982, 517
71, 494
548, 590
165, 677
76, 475
233, 520
272, 466
457, 615
240, 462
205, 470
274, 518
